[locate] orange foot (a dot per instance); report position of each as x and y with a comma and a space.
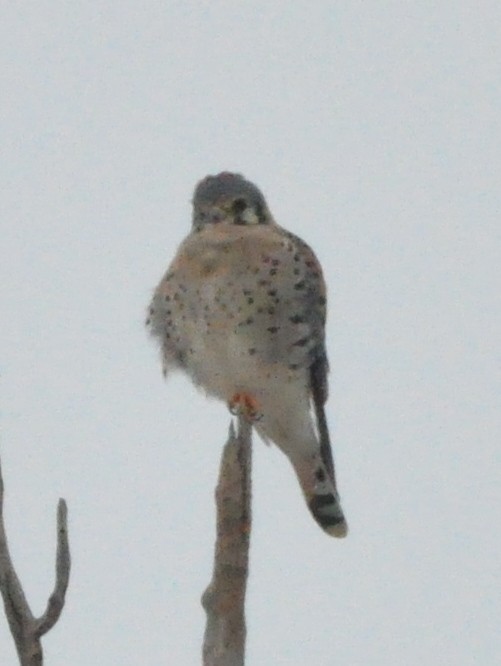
245, 405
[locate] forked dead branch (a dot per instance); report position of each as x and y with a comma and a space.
27, 630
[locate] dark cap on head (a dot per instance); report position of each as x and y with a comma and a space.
226, 185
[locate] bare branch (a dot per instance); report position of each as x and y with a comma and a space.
25, 628
63, 562
16, 606
223, 601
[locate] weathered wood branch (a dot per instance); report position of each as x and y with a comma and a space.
26, 629
224, 599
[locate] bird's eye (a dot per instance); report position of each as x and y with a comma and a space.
239, 205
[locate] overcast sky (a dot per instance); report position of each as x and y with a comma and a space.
373, 128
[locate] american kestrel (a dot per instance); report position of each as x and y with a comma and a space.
241, 310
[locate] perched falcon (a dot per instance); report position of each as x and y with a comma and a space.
241, 310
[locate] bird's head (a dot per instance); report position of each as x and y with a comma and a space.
228, 199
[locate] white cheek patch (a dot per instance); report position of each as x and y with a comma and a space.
249, 216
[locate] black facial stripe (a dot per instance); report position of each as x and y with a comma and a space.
239, 205
260, 213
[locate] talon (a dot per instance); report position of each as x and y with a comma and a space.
245, 405
234, 404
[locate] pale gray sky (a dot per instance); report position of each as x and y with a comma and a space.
373, 128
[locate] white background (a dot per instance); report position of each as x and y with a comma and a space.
373, 128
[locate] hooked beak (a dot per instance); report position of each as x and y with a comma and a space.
214, 215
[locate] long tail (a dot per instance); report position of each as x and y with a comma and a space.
321, 494
287, 421
322, 498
